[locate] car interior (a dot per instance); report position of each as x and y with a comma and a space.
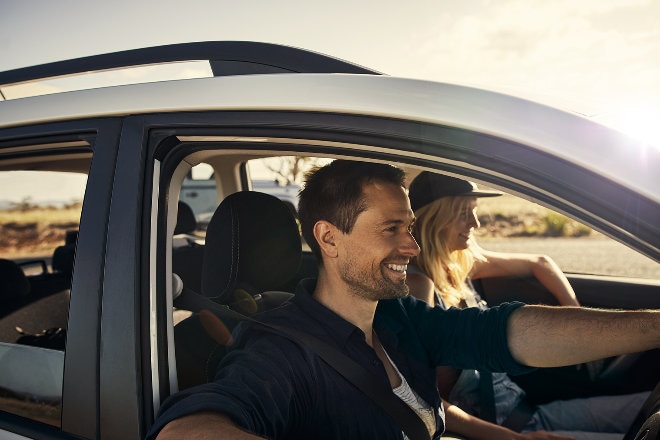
622, 374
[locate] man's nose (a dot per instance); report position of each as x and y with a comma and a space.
409, 247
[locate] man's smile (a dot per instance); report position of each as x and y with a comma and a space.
401, 268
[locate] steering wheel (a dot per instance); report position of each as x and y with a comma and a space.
646, 425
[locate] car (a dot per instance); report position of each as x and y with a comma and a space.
202, 197
111, 287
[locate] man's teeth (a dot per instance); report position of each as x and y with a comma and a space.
398, 267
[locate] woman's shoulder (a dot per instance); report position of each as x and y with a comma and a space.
420, 285
415, 276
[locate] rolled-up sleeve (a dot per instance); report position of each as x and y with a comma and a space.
469, 338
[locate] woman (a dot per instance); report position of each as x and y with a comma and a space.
446, 217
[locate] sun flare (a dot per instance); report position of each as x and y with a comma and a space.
640, 123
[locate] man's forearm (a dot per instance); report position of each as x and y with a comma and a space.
204, 426
543, 336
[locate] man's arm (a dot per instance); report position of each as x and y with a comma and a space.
543, 336
204, 426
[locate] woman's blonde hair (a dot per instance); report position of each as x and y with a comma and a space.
448, 269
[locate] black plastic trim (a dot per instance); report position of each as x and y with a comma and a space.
225, 57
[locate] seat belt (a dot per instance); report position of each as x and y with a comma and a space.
520, 415
382, 395
486, 397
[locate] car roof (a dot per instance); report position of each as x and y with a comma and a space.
333, 86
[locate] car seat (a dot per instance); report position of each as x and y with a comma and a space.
252, 249
14, 287
64, 256
187, 252
186, 223
59, 279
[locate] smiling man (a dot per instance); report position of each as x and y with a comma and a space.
357, 220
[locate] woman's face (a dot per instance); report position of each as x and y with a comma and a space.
459, 232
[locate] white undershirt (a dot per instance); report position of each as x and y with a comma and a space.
412, 399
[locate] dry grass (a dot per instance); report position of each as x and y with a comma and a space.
510, 216
41, 215
35, 231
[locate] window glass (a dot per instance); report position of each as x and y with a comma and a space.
39, 219
279, 176
31, 382
199, 192
512, 224
508, 223
282, 176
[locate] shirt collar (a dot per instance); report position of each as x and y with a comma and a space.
337, 326
340, 329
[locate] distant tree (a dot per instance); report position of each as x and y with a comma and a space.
24, 205
74, 203
290, 169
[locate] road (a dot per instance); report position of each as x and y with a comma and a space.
582, 255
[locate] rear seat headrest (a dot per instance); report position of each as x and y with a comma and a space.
14, 284
252, 242
71, 237
62, 260
186, 223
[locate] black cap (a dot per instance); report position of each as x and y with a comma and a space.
428, 187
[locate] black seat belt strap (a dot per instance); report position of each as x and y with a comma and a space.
486, 397
404, 415
366, 382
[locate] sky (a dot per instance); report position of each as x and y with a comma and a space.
600, 58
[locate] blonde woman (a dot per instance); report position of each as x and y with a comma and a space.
446, 218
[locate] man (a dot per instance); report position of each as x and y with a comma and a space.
356, 217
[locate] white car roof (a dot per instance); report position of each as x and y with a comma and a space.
571, 137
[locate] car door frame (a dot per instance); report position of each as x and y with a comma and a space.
80, 413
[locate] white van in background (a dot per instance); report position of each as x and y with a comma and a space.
202, 197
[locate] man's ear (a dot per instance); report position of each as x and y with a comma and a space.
326, 234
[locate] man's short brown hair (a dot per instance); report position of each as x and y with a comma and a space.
334, 193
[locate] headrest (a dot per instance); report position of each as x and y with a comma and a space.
14, 285
63, 257
289, 204
186, 223
71, 237
252, 243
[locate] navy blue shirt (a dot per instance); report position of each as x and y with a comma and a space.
276, 388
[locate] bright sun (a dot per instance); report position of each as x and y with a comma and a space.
640, 123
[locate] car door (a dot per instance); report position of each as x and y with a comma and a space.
70, 408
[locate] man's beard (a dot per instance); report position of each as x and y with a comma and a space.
372, 285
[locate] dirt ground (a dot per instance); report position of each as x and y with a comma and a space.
33, 239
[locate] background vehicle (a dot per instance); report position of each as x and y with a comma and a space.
202, 197
136, 144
